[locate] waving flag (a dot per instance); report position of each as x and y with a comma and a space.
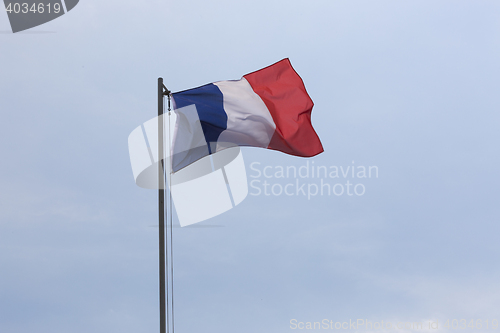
269, 108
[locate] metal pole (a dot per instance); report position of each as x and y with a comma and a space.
161, 209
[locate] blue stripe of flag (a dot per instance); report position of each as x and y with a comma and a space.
209, 104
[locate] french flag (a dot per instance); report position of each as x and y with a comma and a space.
269, 108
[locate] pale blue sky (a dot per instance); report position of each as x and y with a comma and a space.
408, 86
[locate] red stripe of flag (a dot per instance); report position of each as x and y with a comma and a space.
285, 95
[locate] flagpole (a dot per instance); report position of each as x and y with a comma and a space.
161, 209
